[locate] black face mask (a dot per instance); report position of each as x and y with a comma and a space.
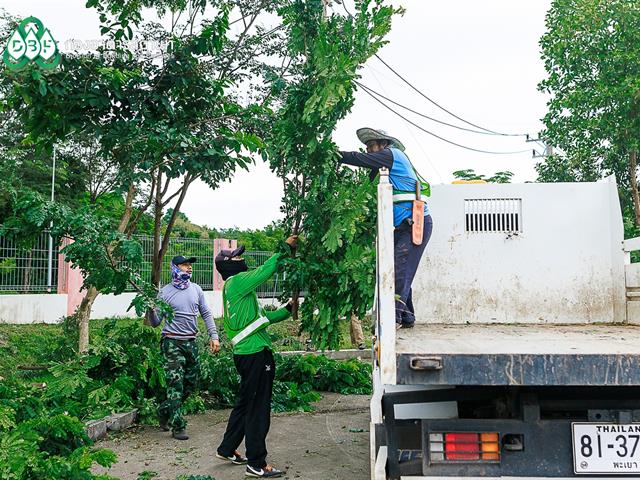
228, 268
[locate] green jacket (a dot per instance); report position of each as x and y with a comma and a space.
241, 307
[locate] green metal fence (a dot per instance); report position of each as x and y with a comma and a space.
203, 269
35, 270
201, 248
32, 269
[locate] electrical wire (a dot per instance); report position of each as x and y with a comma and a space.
444, 109
487, 130
410, 132
438, 136
481, 132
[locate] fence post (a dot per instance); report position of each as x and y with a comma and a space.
220, 244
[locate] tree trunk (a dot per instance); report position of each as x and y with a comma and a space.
161, 243
633, 167
172, 220
295, 294
156, 267
83, 314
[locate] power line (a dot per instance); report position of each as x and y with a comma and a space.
442, 108
489, 131
438, 136
410, 132
481, 132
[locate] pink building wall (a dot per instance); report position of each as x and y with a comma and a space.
70, 281
221, 244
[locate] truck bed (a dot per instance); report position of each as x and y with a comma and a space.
522, 354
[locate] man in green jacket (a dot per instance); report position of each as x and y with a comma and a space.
245, 323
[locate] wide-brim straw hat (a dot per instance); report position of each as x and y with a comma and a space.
367, 134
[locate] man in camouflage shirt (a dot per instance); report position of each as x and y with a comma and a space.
178, 344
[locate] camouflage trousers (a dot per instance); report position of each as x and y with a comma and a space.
181, 368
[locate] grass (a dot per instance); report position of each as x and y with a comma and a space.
34, 344
25, 345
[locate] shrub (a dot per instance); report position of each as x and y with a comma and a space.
48, 448
324, 374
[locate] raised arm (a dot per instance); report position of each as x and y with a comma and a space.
246, 282
374, 160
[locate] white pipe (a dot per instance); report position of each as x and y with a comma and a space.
50, 259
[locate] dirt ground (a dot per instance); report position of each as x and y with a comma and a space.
330, 443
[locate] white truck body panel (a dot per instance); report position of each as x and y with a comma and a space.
533, 269
563, 264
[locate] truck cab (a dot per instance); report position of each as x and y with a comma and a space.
525, 357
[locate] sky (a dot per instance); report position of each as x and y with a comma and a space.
479, 60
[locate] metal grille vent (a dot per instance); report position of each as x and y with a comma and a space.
484, 215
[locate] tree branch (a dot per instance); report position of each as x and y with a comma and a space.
163, 192
174, 215
126, 216
247, 26
134, 223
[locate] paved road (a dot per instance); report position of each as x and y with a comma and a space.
331, 443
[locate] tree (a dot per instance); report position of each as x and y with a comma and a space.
157, 121
591, 50
470, 174
330, 205
22, 164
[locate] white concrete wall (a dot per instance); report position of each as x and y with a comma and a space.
116, 305
51, 308
565, 267
107, 306
33, 308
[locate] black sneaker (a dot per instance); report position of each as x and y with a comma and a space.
361, 346
404, 325
267, 472
181, 435
234, 458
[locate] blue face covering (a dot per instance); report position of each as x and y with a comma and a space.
180, 279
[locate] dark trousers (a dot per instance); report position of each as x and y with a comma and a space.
251, 415
406, 260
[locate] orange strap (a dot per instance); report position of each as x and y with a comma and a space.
417, 228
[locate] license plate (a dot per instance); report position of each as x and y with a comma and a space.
606, 448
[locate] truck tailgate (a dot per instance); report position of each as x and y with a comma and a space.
523, 354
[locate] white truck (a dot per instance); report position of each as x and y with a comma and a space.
525, 357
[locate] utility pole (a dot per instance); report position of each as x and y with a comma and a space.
547, 150
50, 259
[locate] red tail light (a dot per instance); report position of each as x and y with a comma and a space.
462, 446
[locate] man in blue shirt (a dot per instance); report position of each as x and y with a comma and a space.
386, 151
